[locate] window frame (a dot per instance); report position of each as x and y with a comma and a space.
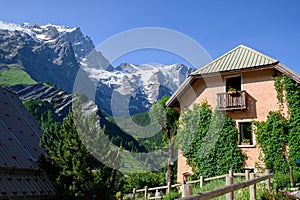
233, 76
253, 128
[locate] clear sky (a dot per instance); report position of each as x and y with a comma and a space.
272, 27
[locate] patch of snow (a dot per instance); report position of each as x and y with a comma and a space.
41, 37
61, 29
77, 43
50, 41
14, 27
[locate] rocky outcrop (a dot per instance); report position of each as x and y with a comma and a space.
57, 54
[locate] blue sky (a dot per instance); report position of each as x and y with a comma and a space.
272, 27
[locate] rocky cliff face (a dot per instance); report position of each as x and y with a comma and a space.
61, 100
136, 86
55, 54
48, 53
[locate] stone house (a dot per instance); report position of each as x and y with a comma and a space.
240, 83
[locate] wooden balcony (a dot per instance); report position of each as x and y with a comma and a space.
236, 100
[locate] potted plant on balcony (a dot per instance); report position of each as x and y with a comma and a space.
245, 141
119, 195
232, 90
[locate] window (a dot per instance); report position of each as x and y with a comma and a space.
234, 82
245, 133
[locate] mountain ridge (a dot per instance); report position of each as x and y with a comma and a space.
55, 54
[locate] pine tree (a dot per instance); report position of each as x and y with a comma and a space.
81, 175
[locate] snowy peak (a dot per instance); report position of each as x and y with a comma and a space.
56, 53
145, 84
14, 27
39, 32
50, 34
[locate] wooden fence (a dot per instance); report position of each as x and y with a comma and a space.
230, 187
146, 190
251, 180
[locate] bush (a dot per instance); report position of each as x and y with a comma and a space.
140, 180
172, 195
282, 179
279, 195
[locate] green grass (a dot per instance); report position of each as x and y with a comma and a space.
15, 76
130, 164
241, 194
238, 194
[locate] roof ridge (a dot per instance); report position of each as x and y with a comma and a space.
218, 58
237, 48
261, 54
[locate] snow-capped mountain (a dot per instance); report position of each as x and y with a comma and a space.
142, 84
55, 54
49, 35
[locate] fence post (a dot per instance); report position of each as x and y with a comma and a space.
252, 188
291, 176
230, 173
229, 181
146, 192
133, 193
201, 181
247, 172
169, 188
268, 180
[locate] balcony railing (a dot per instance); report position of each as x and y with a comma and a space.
235, 100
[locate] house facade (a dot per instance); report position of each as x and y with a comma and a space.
240, 83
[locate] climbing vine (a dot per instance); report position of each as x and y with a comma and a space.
208, 140
279, 137
279, 91
292, 96
272, 137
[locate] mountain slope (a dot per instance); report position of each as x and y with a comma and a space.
46, 53
138, 86
55, 54
62, 102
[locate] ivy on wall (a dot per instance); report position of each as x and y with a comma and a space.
208, 139
279, 136
292, 96
272, 137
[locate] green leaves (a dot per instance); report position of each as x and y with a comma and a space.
208, 139
279, 137
272, 136
292, 95
66, 150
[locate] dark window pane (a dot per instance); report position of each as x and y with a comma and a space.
245, 131
234, 82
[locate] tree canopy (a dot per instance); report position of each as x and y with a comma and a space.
80, 174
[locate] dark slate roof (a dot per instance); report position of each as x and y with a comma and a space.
19, 146
24, 184
241, 57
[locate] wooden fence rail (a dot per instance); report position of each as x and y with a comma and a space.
229, 188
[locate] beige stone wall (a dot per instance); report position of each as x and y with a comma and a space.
182, 167
259, 86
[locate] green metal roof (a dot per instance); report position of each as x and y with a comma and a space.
241, 57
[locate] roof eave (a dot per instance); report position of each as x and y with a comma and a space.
289, 72
254, 68
181, 89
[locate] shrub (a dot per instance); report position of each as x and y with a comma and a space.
140, 180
